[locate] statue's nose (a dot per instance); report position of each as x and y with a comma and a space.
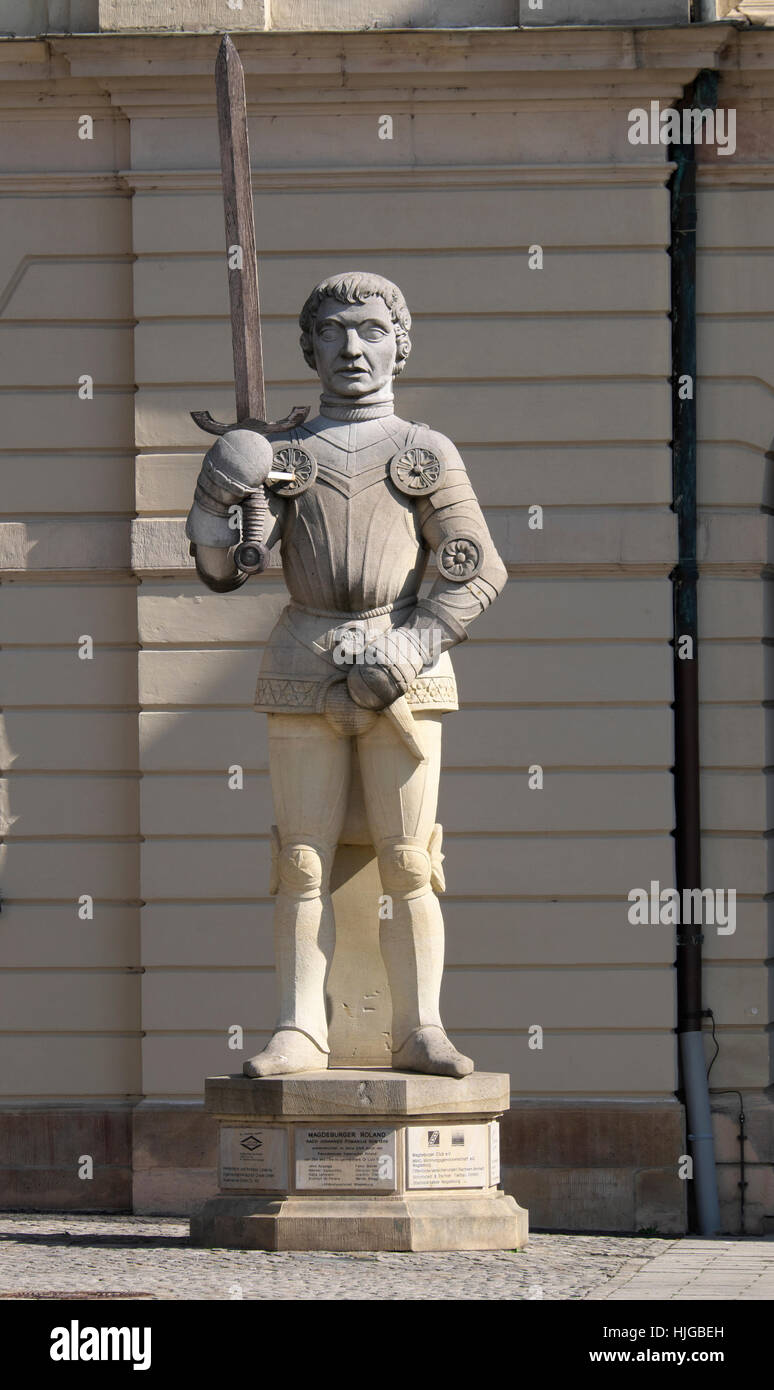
352, 347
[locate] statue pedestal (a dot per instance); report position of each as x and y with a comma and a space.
369, 1159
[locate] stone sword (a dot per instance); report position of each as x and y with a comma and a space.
251, 555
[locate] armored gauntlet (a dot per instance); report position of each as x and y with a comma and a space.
387, 668
236, 466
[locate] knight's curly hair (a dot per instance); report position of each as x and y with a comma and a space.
355, 287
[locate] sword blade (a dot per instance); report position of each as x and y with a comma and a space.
399, 713
240, 232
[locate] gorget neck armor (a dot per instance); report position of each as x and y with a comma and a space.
335, 408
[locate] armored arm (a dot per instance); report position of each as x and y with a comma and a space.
237, 464
471, 575
470, 571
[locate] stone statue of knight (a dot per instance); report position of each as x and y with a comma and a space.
365, 499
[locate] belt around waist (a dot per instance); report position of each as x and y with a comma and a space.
352, 617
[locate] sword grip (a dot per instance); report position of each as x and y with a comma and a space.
251, 555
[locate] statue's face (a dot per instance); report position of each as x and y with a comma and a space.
354, 347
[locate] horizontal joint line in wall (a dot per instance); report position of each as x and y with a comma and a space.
54, 1100
67, 389
72, 1033
553, 248
498, 769
607, 1097
215, 707
85, 969
429, 317
462, 769
102, 647
716, 441
192, 452
174, 968
79, 257
426, 252
126, 773
569, 705
515, 900
525, 900
603, 833
79, 709
482, 1030
209, 903
541, 443
562, 509
86, 838
469, 382
96, 516
72, 902
128, 452
150, 707
584, 967
215, 645
71, 575
554, 1031
257, 645
750, 834
7, 322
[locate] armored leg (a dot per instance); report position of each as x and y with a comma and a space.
401, 797
310, 769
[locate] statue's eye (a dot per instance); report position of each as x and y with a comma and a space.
372, 332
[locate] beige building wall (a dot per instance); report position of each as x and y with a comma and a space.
69, 987
555, 384
89, 16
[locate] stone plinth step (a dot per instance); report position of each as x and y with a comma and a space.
359, 1160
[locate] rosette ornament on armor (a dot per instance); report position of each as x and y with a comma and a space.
291, 458
460, 558
417, 472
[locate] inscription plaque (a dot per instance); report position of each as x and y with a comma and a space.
447, 1156
256, 1159
361, 1159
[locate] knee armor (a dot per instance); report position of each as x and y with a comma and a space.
404, 869
302, 870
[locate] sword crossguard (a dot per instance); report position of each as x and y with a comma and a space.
205, 422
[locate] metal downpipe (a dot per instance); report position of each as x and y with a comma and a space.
703, 92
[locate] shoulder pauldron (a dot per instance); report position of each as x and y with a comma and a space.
417, 471
292, 458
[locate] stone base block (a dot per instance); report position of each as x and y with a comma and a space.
369, 1159
39, 1157
492, 1221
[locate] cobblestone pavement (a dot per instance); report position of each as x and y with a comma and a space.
151, 1258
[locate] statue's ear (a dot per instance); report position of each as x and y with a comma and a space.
307, 351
